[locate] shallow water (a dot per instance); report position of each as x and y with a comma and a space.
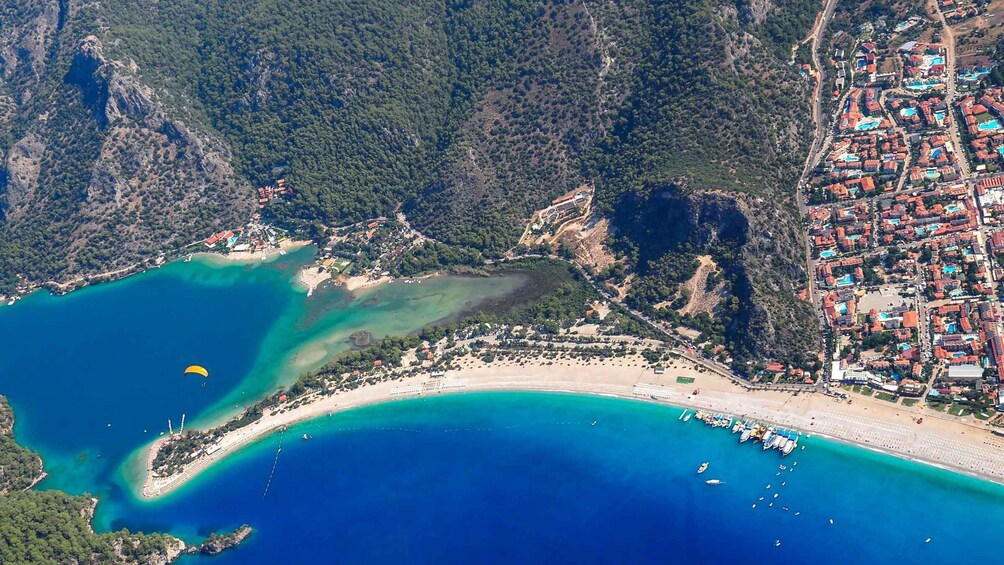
97, 374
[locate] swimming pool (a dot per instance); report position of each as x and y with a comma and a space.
893, 221
992, 125
868, 123
949, 269
937, 61
846, 279
908, 112
954, 208
905, 347
922, 84
854, 237
850, 157
842, 308
932, 174
884, 317
936, 152
956, 292
929, 228
827, 253
950, 328
1001, 149
939, 117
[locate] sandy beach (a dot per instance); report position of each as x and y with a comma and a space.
262, 254
312, 277
951, 443
362, 281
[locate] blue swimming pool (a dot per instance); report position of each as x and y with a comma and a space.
827, 253
908, 112
991, 125
868, 123
905, 346
846, 279
949, 269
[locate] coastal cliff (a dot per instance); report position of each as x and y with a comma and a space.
756, 247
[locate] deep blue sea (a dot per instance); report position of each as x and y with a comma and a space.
487, 477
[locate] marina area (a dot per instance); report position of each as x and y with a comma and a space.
769, 437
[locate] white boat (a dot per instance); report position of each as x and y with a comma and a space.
737, 426
686, 418
714, 482
767, 437
789, 446
702, 468
746, 435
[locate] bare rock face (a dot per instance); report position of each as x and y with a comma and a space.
23, 166
23, 48
144, 181
754, 11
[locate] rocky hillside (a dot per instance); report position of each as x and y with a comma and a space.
702, 161
98, 173
131, 128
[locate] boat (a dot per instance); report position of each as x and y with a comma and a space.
714, 482
686, 418
737, 426
746, 435
594, 422
767, 437
702, 468
928, 540
782, 467
776, 441
305, 436
777, 543
789, 446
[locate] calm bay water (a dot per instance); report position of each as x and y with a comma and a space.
475, 477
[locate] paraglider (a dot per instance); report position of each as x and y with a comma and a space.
198, 370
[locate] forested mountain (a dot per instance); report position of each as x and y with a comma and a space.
132, 127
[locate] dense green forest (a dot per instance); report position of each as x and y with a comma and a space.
21, 466
53, 527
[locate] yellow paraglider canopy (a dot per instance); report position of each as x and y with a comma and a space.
197, 370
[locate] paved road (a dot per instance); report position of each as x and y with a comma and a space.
948, 38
